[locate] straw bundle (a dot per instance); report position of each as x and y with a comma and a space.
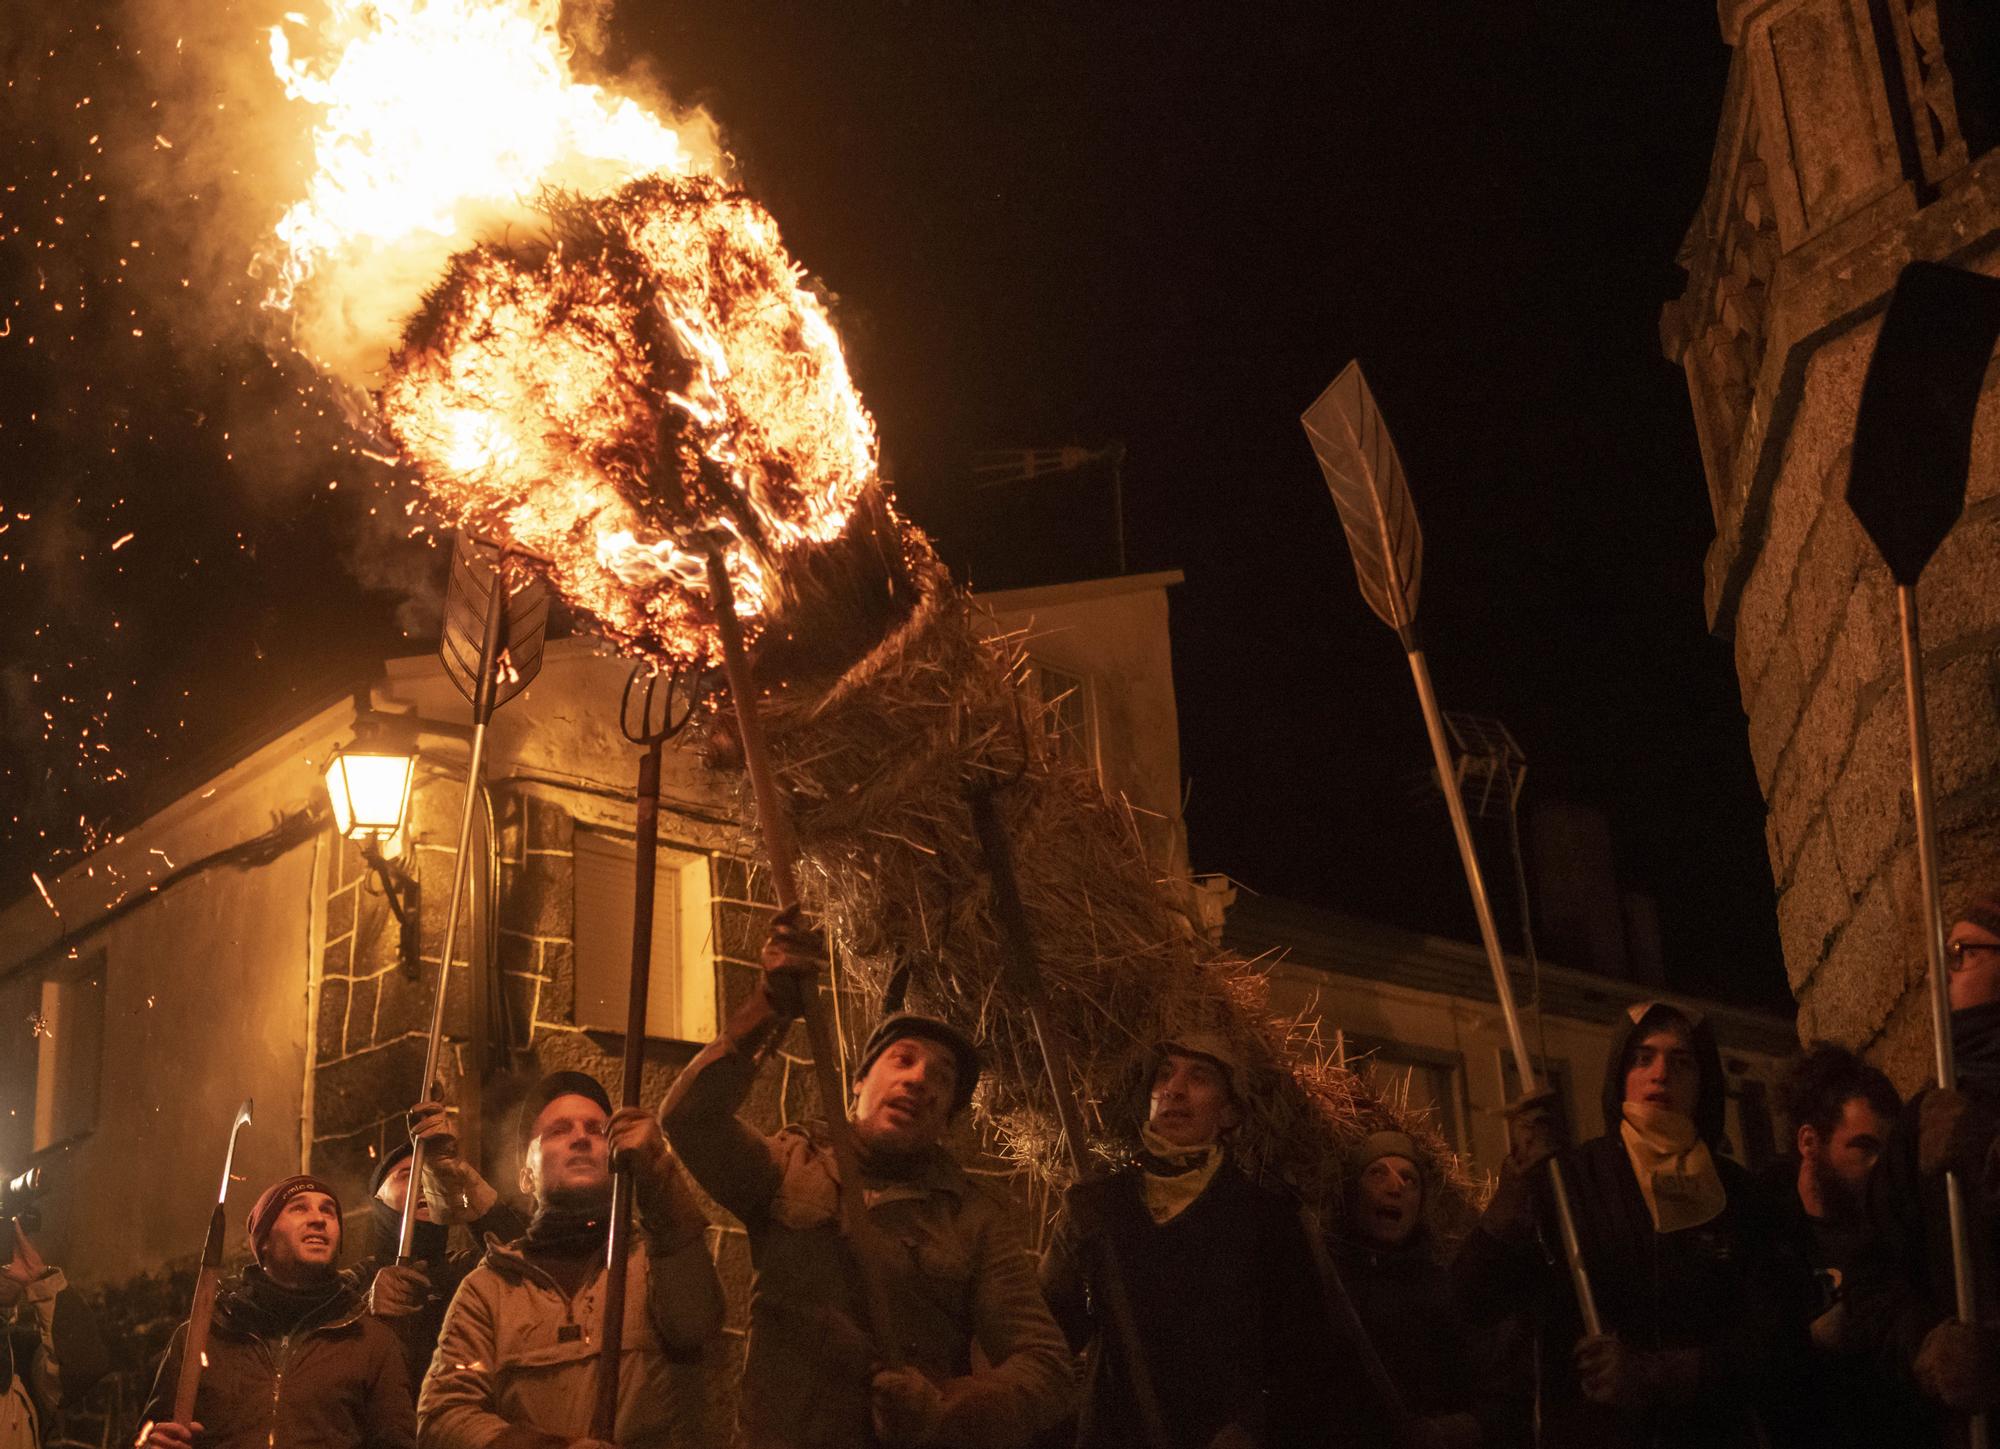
877, 752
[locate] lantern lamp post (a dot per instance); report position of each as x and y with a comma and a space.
369, 787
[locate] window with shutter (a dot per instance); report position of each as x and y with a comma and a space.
680, 1001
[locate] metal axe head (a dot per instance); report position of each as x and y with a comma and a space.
1913, 431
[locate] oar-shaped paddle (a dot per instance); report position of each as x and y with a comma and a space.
1912, 451
194, 1349
1365, 476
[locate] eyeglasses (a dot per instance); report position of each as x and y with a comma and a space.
1955, 952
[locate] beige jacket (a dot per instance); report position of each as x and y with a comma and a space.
518, 1353
20, 1421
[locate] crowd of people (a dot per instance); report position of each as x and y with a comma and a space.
1181, 1304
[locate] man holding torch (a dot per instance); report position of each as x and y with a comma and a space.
1901, 1288
955, 1269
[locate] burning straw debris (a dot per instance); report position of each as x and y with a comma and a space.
631, 369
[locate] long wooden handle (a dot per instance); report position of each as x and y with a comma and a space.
1024, 974
618, 1242
194, 1348
863, 1239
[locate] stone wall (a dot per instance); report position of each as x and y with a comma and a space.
1834, 167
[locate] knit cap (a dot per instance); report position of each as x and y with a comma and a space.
264, 1212
554, 1085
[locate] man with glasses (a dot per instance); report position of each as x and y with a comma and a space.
1902, 1291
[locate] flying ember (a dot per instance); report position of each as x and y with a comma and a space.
608, 359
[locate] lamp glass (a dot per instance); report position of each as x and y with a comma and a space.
370, 793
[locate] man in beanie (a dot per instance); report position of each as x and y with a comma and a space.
1701, 1323
1454, 1386
958, 1273
516, 1366
1901, 1298
1225, 1299
457, 1212
293, 1357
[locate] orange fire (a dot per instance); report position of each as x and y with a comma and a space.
608, 358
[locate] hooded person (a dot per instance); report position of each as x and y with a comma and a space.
1901, 1287
293, 1356
1701, 1319
1222, 1283
517, 1362
458, 1211
1461, 1389
957, 1275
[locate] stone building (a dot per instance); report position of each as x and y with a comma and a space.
1854, 138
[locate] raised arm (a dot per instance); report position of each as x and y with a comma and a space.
734, 1164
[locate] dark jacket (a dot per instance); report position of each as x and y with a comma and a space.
1438, 1362
1902, 1283
958, 1275
1227, 1302
446, 1254
314, 1373
1720, 1289
1842, 1400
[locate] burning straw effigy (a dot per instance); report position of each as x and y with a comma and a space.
643, 377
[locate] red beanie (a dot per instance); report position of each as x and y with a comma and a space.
272, 1201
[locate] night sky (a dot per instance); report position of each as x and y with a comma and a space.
1044, 224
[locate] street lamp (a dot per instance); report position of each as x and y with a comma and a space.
370, 791
369, 787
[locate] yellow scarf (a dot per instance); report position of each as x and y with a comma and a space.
1676, 1174
1168, 1194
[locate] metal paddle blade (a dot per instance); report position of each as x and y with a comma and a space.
1365, 477
467, 592
1913, 431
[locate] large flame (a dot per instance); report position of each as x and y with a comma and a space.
609, 359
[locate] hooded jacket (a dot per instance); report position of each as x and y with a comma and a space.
1720, 1289
299, 1370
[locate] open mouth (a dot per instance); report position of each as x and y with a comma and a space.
316, 1240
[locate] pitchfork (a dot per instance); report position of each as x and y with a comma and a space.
647, 716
